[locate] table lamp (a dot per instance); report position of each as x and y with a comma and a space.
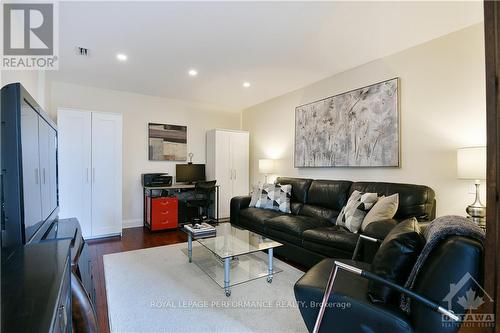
471, 164
266, 166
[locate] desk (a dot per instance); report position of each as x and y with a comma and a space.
182, 193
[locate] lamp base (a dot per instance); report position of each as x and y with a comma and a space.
480, 221
476, 210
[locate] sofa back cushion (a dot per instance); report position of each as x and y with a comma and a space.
414, 200
320, 212
300, 186
332, 194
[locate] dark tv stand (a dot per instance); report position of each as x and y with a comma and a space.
81, 263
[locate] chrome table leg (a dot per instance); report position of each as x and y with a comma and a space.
227, 266
270, 265
190, 247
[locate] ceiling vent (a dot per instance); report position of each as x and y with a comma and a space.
82, 51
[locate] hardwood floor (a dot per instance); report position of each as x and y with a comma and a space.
132, 239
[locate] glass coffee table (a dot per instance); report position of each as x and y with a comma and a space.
233, 256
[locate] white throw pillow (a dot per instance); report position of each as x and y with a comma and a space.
384, 209
352, 214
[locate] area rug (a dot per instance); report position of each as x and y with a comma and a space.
157, 290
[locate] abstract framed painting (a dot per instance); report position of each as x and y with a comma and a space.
167, 142
358, 128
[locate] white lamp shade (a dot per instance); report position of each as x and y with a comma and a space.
471, 163
266, 166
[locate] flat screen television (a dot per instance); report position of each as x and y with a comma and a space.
189, 173
29, 189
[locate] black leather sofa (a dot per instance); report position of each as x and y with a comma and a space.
309, 233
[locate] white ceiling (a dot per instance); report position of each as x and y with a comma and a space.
278, 47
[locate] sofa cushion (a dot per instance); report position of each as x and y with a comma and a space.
414, 200
395, 259
334, 236
321, 212
295, 225
296, 207
254, 218
300, 187
330, 194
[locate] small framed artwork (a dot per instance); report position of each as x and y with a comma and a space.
358, 128
167, 142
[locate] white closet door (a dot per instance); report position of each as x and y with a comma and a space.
43, 148
224, 172
74, 150
239, 163
106, 174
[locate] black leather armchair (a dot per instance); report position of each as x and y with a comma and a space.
350, 309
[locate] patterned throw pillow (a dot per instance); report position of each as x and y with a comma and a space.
255, 195
275, 197
352, 214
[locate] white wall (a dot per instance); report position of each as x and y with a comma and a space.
138, 110
442, 108
33, 81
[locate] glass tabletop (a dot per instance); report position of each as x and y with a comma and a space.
232, 241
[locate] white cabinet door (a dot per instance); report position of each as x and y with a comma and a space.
31, 167
106, 174
224, 173
240, 163
74, 151
53, 168
43, 148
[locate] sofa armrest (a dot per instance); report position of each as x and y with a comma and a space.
237, 204
379, 229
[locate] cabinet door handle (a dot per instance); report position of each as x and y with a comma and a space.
43, 173
87, 173
231, 174
36, 176
93, 175
234, 174
64, 316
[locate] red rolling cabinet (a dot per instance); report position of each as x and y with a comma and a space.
161, 212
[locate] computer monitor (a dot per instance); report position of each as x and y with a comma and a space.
189, 173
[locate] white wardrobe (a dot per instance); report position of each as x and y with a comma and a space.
228, 163
90, 170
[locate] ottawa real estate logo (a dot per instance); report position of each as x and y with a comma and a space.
468, 298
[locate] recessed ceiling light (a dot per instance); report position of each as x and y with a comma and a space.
193, 72
121, 57
246, 84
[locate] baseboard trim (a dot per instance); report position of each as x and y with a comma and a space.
134, 223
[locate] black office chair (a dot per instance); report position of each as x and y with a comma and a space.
202, 197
